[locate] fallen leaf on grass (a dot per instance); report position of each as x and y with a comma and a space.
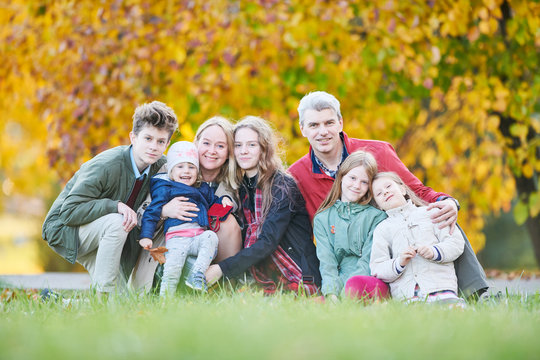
159, 254
7, 295
32, 294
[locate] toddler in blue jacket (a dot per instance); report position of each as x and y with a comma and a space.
182, 238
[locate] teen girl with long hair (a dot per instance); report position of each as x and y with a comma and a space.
278, 249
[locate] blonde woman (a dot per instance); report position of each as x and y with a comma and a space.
214, 141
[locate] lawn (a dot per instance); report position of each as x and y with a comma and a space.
243, 324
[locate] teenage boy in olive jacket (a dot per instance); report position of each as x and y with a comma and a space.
93, 220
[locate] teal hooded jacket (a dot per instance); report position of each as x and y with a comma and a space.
344, 235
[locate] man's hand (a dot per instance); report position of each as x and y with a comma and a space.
130, 216
213, 274
445, 214
179, 208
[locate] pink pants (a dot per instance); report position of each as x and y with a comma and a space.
366, 288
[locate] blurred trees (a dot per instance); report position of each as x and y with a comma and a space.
454, 85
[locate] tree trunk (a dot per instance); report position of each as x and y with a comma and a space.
525, 186
533, 227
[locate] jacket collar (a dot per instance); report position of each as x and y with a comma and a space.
345, 141
348, 209
402, 211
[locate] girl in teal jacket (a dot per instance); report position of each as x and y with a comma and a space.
343, 228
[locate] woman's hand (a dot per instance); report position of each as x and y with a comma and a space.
445, 215
179, 208
213, 274
226, 202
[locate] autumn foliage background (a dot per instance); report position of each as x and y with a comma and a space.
453, 85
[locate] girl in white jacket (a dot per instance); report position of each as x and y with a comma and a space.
409, 252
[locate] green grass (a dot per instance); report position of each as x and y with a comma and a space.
247, 325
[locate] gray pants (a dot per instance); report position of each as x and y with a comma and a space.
470, 274
203, 245
100, 248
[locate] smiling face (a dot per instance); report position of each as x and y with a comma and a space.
388, 194
322, 129
247, 150
354, 185
148, 145
213, 148
185, 173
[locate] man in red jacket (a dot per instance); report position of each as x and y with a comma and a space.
322, 124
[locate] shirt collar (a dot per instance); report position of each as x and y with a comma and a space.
134, 165
319, 168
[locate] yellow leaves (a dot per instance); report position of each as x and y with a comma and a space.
483, 13
422, 118
534, 204
482, 169
186, 131
488, 27
398, 79
527, 170
435, 55
428, 157
404, 34
519, 130
493, 122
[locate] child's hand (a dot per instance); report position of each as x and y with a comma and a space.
407, 256
426, 252
226, 202
146, 243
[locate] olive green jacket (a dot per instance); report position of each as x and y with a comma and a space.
94, 191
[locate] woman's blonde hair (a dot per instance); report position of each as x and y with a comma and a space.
269, 162
409, 194
228, 172
356, 159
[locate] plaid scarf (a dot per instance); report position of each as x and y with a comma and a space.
279, 269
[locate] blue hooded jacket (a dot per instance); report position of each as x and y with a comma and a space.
164, 190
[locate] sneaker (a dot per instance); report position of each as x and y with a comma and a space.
49, 295
197, 281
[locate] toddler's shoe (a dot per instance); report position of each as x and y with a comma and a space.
197, 281
49, 295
